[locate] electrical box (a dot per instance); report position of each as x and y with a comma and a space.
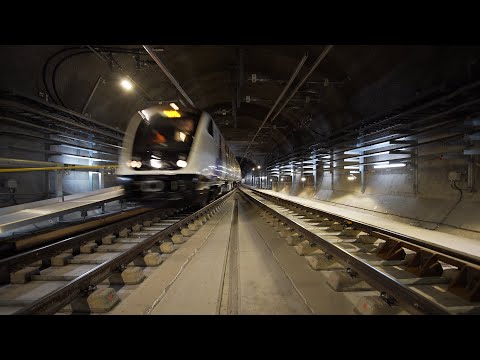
454, 176
12, 184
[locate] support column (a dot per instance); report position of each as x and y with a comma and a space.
415, 170
470, 174
59, 184
101, 180
331, 170
361, 168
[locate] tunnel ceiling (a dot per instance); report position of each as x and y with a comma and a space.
239, 84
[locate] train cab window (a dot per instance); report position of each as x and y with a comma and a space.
210, 127
162, 141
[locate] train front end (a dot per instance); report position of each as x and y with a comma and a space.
156, 167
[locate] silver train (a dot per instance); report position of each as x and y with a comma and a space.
172, 157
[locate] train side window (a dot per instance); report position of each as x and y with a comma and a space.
210, 127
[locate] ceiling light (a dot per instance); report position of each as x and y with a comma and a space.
126, 84
303, 179
174, 106
383, 166
259, 167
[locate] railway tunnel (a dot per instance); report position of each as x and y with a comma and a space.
360, 170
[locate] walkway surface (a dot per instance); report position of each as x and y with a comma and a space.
235, 264
42, 210
461, 244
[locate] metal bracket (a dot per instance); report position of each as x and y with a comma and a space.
90, 289
391, 250
328, 256
388, 299
352, 273
121, 268
425, 264
466, 284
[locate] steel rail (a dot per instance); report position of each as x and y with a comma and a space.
58, 133
405, 297
443, 253
19, 261
279, 98
56, 300
60, 118
305, 78
100, 56
38, 101
338, 138
162, 66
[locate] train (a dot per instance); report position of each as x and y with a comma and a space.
173, 157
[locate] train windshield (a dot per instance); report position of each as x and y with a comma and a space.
164, 142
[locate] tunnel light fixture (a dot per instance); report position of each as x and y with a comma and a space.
181, 163
157, 164
87, 158
354, 172
367, 148
174, 106
351, 177
253, 169
365, 155
380, 153
384, 166
126, 84
182, 136
303, 179
259, 167
145, 115
353, 167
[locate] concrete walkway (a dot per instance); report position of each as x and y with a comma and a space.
457, 243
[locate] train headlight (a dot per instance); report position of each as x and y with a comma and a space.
155, 163
181, 163
134, 164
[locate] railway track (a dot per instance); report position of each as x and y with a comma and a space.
15, 244
403, 274
82, 273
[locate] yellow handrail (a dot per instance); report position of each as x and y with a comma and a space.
57, 168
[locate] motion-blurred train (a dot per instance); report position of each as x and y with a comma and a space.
172, 157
